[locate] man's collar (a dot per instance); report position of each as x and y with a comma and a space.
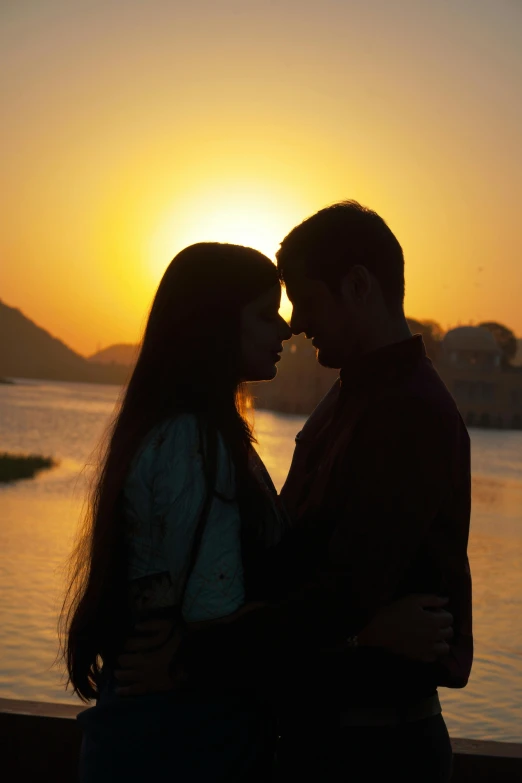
383, 366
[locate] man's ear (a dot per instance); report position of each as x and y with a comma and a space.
356, 285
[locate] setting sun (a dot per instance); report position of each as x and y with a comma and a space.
235, 130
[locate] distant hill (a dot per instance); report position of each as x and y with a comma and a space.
28, 351
124, 354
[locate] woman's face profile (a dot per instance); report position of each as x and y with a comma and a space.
262, 334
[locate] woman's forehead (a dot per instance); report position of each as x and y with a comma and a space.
269, 298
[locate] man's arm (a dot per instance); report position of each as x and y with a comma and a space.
395, 485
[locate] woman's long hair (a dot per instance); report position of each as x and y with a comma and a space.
190, 361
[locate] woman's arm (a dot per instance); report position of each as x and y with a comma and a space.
416, 627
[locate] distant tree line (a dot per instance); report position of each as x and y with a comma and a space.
433, 334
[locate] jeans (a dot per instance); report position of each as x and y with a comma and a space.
160, 738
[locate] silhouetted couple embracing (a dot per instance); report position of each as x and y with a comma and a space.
230, 634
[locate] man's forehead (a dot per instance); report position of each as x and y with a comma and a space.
297, 282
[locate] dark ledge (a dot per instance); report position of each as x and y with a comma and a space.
41, 741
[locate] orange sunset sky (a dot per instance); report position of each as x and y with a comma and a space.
131, 129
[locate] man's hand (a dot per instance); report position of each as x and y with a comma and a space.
416, 626
146, 663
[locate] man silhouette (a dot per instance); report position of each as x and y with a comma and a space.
379, 494
385, 459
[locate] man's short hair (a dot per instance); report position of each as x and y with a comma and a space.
336, 238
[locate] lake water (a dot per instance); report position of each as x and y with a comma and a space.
38, 519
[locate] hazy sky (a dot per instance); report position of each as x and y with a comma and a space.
131, 129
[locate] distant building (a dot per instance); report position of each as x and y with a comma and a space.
469, 362
488, 395
517, 361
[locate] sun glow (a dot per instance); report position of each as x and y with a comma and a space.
240, 214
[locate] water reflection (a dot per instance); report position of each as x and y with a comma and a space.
494, 494
487, 492
39, 517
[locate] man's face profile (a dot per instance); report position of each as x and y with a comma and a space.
322, 314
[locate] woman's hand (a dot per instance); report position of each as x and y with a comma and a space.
416, 626
148, 665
